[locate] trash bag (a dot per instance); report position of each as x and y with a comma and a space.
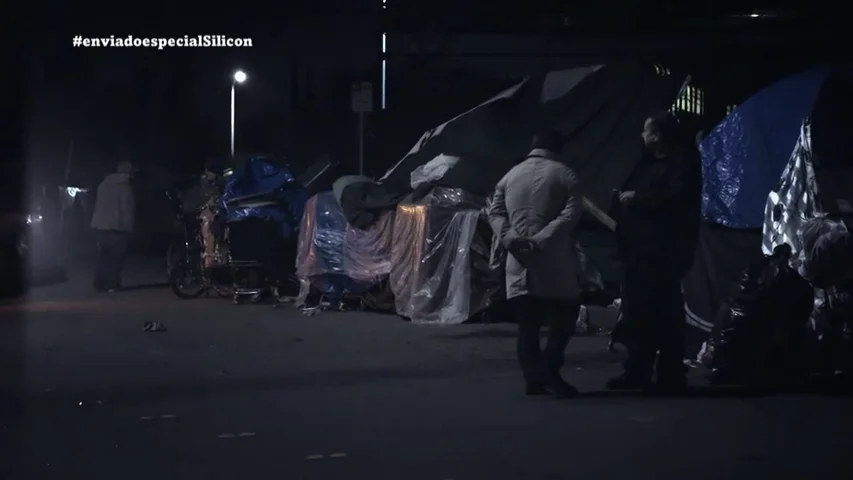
759, 330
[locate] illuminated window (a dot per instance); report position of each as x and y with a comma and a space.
692, 100
730, 109
662, 71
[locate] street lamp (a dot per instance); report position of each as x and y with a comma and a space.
239, 77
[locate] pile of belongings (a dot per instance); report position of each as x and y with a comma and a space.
759, 332
789, 316
826, 260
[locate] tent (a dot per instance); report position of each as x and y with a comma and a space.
600, 108
743, 156
749, 185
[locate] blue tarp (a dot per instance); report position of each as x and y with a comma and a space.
322, 256
260, 180
743, 157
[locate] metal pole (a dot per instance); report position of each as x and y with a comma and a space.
361, 143
233, 90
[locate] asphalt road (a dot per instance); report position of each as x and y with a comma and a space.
253, 392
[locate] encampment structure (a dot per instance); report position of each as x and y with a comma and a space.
790, 143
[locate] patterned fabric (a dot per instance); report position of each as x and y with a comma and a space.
795, 200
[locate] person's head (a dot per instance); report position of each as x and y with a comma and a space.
550, 140
126, 166
662, 132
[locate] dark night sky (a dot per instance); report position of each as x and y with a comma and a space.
171, 108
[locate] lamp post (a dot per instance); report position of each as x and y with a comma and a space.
239, 77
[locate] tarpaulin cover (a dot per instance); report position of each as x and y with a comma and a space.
794, 200
765, 315
745, 154
261, 188
335, 257
599, 108
440, 270
721, 256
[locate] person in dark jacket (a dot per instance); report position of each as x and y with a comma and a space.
657, 234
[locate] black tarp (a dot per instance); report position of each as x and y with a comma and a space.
721, 256
600, 108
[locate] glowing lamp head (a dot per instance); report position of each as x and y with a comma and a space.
239, 76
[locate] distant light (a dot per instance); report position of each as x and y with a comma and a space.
73, 191
754, 15
239, 76
33, 218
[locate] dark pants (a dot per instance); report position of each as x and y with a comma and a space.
653, 309
539, 365
112, 248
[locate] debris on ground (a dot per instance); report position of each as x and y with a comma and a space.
153, 327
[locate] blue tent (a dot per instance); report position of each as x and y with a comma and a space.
743, 157
261, 188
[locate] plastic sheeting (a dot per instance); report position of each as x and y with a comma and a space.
826, 260
600, 109
766, 315
259, 188
440, 270
794, 200
825, 256
745, 154
832, 323
433, 170
336, 258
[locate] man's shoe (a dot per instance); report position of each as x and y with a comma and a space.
627, 382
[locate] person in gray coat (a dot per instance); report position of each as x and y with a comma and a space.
112, 222
533, 213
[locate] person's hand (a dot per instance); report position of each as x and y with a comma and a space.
523, 246
626, 198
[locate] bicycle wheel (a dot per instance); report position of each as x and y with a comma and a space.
176, 253
187, 281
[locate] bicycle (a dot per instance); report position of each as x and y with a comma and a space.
189, 277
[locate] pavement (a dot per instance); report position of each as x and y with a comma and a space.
256, 392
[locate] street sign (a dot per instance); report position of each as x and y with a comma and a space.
362, 97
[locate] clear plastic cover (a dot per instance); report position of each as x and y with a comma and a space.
334, 257
367, 253
440, 270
